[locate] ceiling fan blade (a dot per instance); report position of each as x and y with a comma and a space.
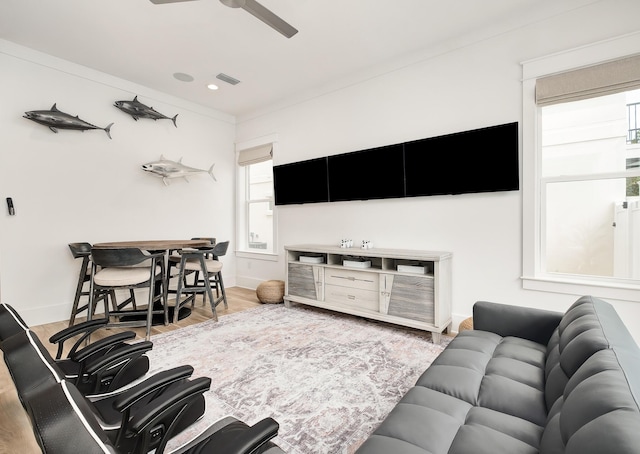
160, 2
269, 18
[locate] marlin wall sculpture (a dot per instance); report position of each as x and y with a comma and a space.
138, 110
167, 169
55, 119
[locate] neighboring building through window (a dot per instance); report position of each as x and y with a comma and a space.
633, 110
256, 226
589, 188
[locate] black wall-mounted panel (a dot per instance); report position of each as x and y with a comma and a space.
377, 173
301, 182
481, 160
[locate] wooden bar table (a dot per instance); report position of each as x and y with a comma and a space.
154, 245
158, 245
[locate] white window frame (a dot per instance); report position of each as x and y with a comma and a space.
242, 207
534, 276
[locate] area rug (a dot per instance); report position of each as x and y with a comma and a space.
328, 379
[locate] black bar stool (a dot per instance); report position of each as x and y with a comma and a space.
174, 260
83, 250
129, 269
193, 260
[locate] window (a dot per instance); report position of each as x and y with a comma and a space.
581, 208
256, 226
589, 199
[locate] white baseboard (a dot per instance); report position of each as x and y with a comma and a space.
44, 314
247, 282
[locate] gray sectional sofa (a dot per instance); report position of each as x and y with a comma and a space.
524, 381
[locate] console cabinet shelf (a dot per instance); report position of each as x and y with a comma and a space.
405, 287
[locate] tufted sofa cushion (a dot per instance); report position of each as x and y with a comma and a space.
593, 383
495, 392
482, 387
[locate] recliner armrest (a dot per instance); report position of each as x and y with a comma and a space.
536, 325
84, 328
156, 407
232, 436
102, 374
154, 384
164, 416
102, 346
246, 440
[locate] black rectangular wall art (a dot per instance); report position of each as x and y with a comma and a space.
476, 161
377, 173
481, 160
301, 182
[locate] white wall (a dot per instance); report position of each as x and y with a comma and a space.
80, 186
449, 90
76, 186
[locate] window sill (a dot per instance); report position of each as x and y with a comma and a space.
257, 256
626, 291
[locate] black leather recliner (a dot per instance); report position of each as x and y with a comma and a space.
100, 367
138, 419
65, 410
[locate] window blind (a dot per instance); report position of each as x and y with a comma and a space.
599, 80
255, 155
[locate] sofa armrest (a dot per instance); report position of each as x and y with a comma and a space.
536, 325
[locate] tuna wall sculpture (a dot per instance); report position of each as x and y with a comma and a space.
55, 119
138, 110
167, 170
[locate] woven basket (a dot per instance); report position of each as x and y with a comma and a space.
466, 324
270, 292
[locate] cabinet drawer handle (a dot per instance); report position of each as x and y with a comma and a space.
348, 278
352, 279
351, 297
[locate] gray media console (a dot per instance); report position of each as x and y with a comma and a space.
405, 287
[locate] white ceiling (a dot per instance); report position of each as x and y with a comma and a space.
339, 41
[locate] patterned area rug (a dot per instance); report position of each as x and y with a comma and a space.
328, 379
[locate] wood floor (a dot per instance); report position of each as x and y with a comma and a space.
16, 435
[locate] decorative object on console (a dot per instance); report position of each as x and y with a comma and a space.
167, 169
346, 243
356, 262
311, 258
414, 268
366, 244
55, 119
138, 110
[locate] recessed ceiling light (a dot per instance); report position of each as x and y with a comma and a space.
212, 87
183, 77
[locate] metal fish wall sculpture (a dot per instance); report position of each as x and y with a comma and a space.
55, 119
167, 169
138, 110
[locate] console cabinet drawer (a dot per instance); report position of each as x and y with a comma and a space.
352, 279
352, 297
